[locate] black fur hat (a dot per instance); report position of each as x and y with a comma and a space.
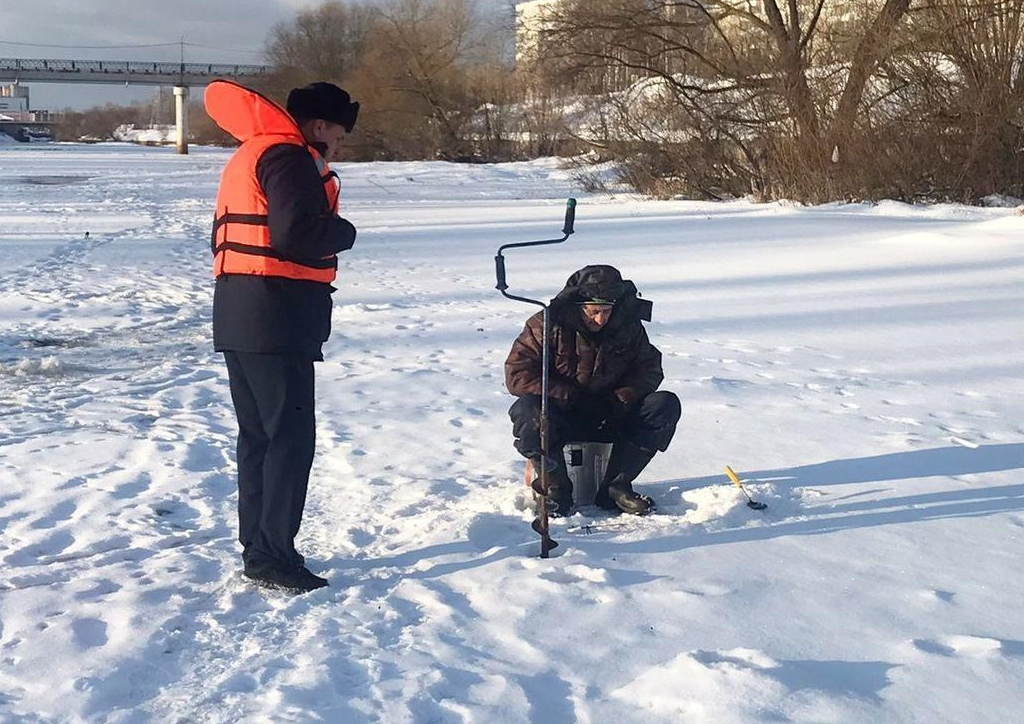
325, 101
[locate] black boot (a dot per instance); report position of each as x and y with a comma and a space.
616, 491
296, 579
559, 485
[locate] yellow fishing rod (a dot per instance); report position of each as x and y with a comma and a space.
751, 503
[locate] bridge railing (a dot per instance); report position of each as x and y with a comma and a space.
129, 66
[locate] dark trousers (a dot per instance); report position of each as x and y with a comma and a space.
650, 424
273, 398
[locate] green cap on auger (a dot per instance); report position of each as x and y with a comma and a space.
570, 216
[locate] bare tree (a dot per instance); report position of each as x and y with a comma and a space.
436, 80
324, 42
747, 75
429, 75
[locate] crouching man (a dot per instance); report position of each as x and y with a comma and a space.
602, 387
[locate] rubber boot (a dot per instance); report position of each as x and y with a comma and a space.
559, 485
616, 492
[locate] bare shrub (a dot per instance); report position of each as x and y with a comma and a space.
99, 122
960, 93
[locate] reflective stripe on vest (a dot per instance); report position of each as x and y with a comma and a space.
241, 235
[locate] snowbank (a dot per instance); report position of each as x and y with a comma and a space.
152, 135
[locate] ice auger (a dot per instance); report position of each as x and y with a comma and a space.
540, 485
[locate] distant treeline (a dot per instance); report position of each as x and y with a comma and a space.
806, 99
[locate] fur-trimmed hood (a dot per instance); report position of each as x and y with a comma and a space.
600, 283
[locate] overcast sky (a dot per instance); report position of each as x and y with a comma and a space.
235, 31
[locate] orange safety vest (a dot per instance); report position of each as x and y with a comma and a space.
241, 235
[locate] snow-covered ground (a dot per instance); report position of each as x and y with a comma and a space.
862, 367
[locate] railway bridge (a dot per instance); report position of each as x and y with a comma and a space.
181, 76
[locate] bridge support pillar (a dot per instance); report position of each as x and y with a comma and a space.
181, 116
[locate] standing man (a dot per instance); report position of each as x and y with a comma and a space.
603, 387
276, 236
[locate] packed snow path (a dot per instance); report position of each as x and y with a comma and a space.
860, 366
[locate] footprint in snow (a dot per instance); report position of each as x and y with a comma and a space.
89, 632
176, 514
576, 573
938, 595
99, 590
31, 580
33, 554
59, 513
727, 384
707, 589
960, 645
133, 489
361, 538
202, 456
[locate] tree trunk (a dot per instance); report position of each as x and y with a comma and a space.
870, 51
791, 58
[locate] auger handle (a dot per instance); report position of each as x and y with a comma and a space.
570, 216
499, 273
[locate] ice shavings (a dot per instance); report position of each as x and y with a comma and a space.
42, 366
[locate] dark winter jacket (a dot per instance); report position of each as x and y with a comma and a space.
271, 314
618, 363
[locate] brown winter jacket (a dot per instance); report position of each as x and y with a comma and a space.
619, 361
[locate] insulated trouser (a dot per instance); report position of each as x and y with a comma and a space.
273, 398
